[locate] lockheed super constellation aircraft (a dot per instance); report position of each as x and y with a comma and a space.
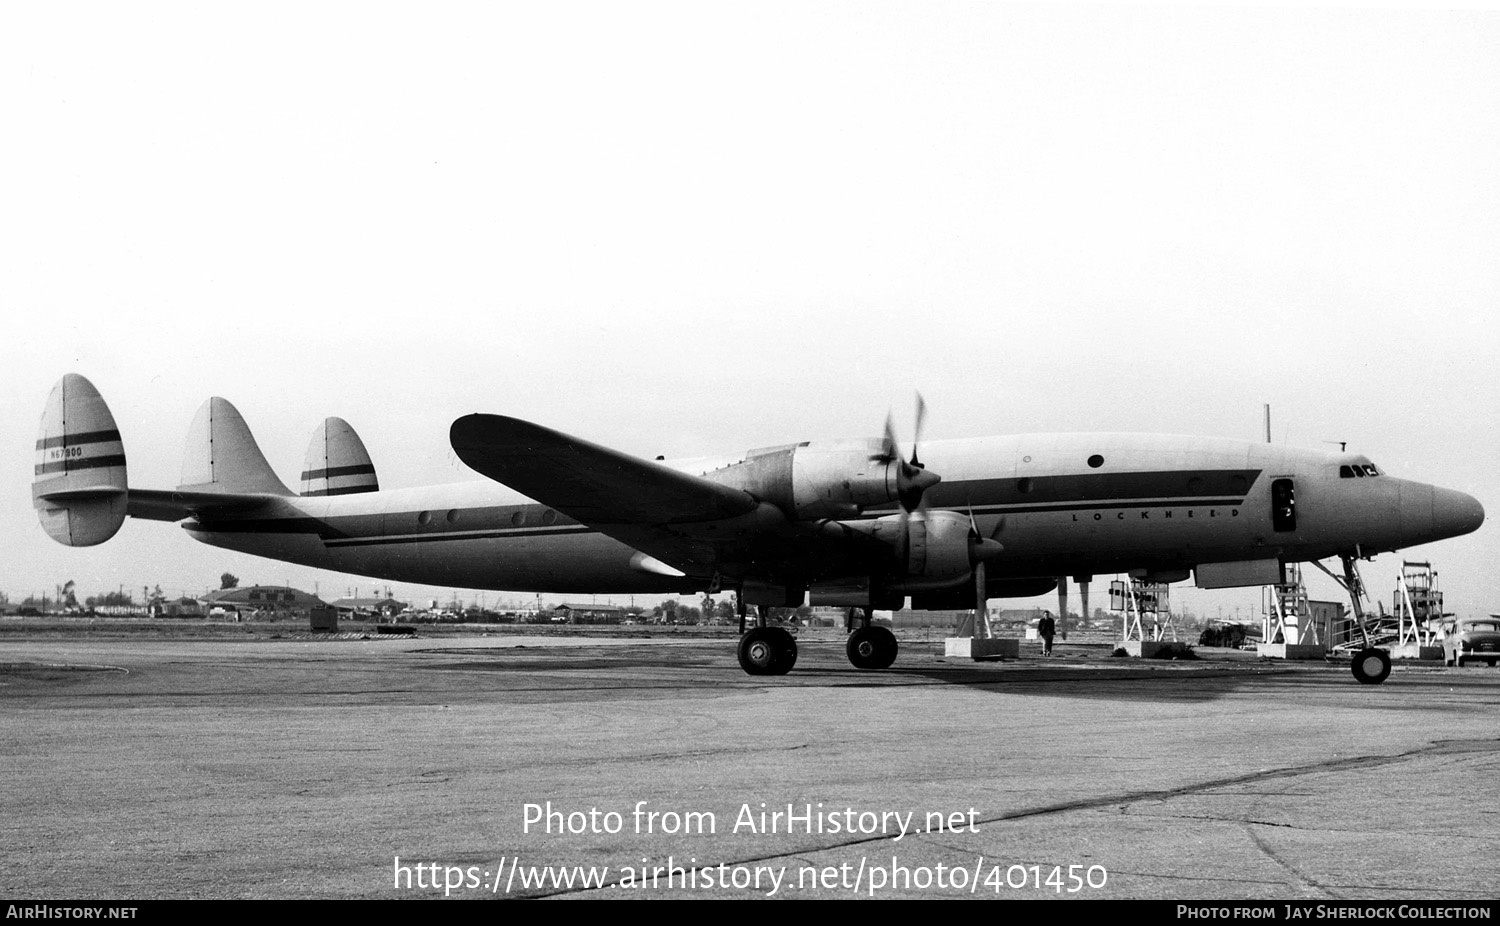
849, 522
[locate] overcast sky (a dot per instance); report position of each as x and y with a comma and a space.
690, 228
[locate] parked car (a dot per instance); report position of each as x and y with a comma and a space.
1472, 639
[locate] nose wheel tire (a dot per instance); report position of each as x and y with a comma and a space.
872, 647
767, 651
1372, 666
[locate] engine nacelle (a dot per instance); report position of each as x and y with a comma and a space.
832, 479
939, 552
931, 550
818, 479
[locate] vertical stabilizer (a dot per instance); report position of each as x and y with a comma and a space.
222, 455
337, 462
79, 491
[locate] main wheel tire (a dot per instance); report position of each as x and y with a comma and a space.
767, 651
872, 647
786, 650
1371, 666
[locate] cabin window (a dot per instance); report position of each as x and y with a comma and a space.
1283, 505
1096, 461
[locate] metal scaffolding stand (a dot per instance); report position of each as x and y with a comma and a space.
1134, 600
1288, 627
1419, 613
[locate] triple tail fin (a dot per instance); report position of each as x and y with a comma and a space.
337, 462
222, 456
79, 490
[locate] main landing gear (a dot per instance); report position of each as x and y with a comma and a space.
768, 651
765, 650
870, 646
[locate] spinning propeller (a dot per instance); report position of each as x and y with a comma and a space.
912, 478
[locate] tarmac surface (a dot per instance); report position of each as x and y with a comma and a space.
143, 766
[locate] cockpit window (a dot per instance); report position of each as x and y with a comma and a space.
1357, 470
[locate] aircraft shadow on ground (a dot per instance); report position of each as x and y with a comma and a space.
825, 666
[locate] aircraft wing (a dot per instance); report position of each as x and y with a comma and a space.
587, 482
685, 521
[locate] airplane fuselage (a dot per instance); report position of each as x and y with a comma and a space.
1060, 504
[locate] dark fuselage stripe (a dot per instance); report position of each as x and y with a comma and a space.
1103, 506
332, 538
1095, 489
463, 535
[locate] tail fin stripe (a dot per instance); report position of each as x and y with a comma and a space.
73, 466
367, 469
77, 440
347, 490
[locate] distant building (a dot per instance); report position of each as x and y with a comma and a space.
262, 602
1015, 617
590, 613
177, 607
365, 609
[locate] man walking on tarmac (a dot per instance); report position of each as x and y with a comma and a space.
1046, 628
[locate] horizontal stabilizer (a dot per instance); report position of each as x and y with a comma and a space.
222, 456
79, 490
160, 505
337, 462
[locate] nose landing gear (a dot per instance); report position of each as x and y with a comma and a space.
1371, 666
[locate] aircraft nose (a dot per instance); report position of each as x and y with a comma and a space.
1455, 513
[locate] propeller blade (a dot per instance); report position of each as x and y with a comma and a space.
917, 435
912, 478
981, 597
